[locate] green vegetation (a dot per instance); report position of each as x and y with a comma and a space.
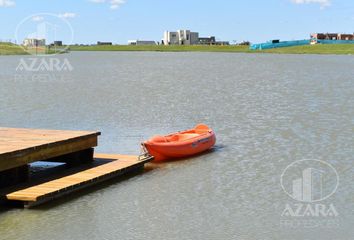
11, 49
314, 49
309, 49
45, 50
162, 48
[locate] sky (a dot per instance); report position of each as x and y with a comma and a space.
118, 21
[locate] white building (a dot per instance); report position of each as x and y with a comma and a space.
170, 38
141, 42
33, 42
181, 37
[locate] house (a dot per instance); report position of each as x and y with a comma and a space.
212, 41
222, 43
33, 42
332, 36
348, 37
186, 37
105, 43
57, 43
181, 37
141, 42
324, 36
207, 40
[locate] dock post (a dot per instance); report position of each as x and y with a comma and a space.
14, 176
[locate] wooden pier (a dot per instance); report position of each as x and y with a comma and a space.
20, 147
119, 165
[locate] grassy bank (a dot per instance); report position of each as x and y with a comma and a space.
315, 49
309, 49
161, 48
11, 49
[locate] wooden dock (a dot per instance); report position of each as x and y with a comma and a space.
20, 147
119, 165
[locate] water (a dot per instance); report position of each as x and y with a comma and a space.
267, 110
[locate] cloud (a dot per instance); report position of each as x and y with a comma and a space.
67, 15
114, 4
7, 3
322, 3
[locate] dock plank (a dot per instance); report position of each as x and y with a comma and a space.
118, 165
19, 146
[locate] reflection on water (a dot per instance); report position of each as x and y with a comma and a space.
267, 111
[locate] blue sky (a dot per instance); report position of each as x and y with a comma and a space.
121, 20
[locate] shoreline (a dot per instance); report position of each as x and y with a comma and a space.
8, 49
324, 49
337, 49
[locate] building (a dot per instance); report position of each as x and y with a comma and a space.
104, 43
324, 36
58, 43
332, 36
222, 43
170, 38
141, 42
33, 42
207, 40
181, 37
186, 37
211, 41
347, 37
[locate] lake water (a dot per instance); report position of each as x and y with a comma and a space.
268, 111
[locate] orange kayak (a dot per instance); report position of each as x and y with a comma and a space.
181, 144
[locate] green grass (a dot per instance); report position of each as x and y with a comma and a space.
161, 48
309, 49
44, 51
314, 49
11, 49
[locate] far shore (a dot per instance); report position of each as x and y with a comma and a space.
11, 49
340, 49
